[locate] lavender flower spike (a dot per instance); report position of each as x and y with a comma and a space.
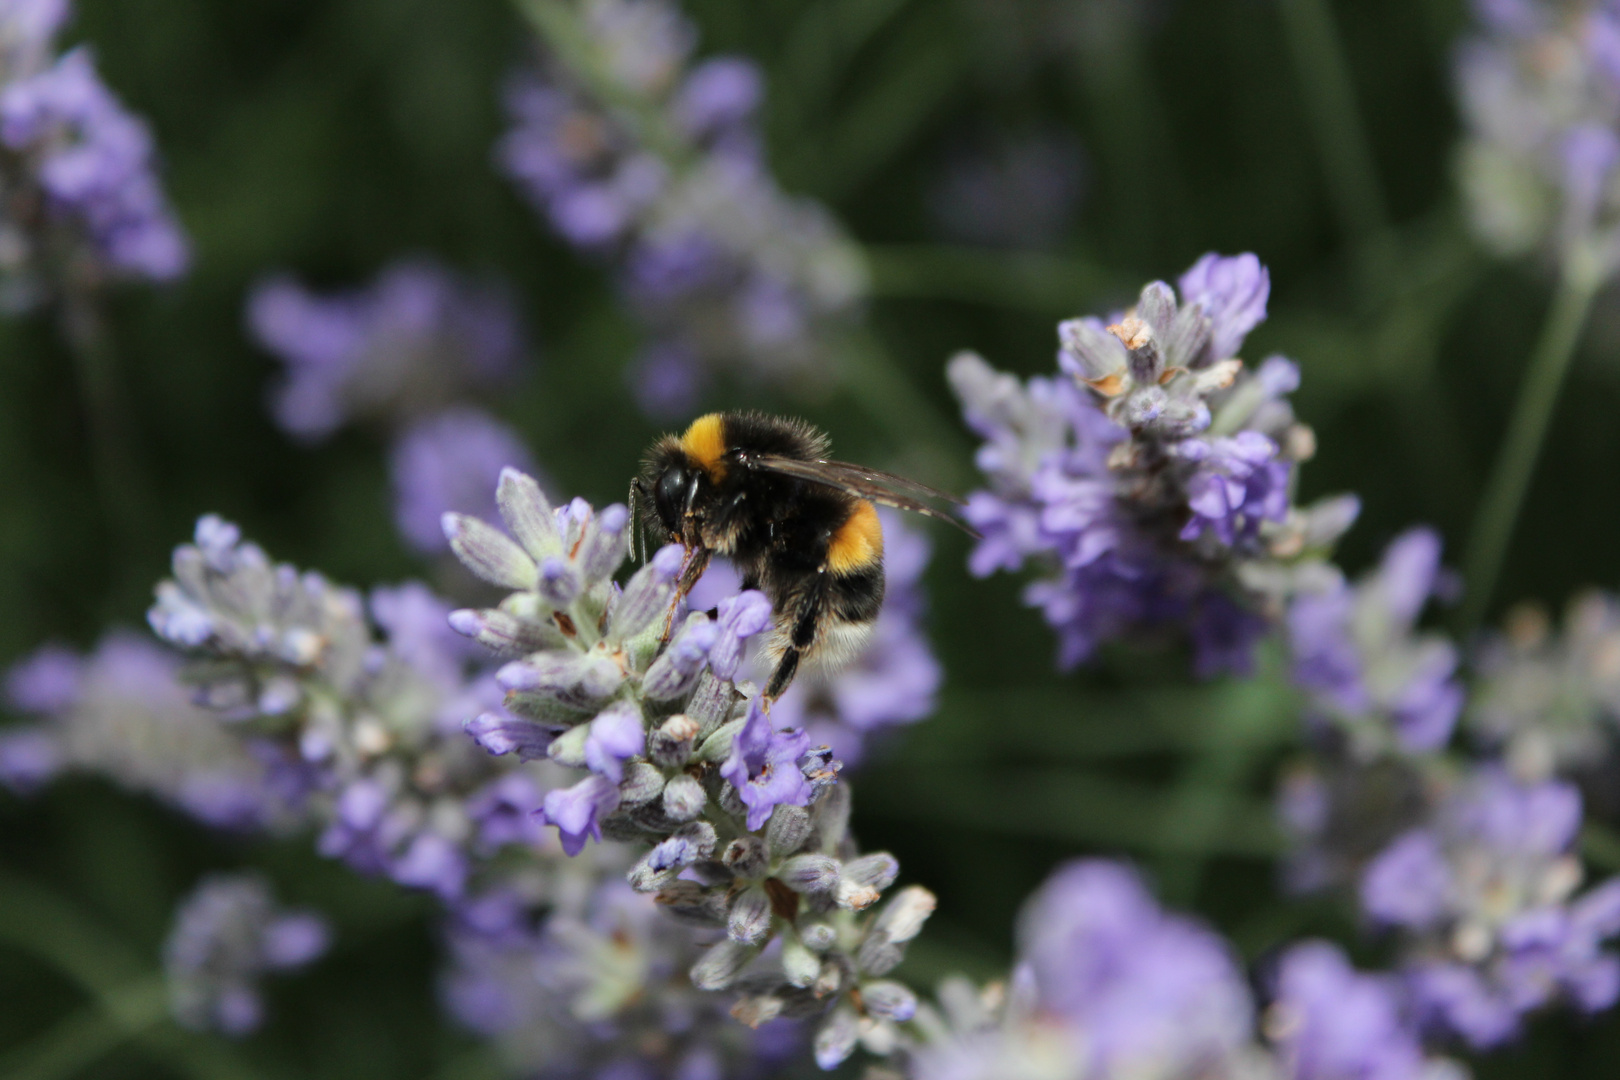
1540, 95
655, 166
1149, 487
1356, 652
75, 150
395, 351
227, 935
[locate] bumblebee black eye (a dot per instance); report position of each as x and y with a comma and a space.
669, 497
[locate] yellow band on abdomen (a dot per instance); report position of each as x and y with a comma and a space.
858, 543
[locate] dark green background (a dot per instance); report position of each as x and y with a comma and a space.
329, 138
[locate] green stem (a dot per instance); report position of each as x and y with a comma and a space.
75, 1043
119, 477
1341, 137
1498, 511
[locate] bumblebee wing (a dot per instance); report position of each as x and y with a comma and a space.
864, 483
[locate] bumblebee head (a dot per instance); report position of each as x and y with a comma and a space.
672, 492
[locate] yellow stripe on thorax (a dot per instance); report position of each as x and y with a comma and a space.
705, 443
858, 543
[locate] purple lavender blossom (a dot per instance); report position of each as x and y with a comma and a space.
764, 766
89, 158
122, 712
1549, 702
1150, 486
1140, 985
1483, 894
578, 811
1357, 653
407, 345
227, 935
449, 461
1331, 1022
1539, 86
723, 267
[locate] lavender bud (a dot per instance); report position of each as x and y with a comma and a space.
578, 681
800, 965
684, 797
658, 868
746, 856
809, 873
835, 1041
604, 548
888, 1000
717, 747
671, 743
905, 915
720, 966
757, 1009
501, 734
749, 921
678, 666
818, 936
617, 734
692, 903
569, 748
648, 592
828, 982
711, 704
642, 784
853, 896
280, 695
559, 582
878, 870
527, 514
489, 553
787, 830
502, 633
1087, 351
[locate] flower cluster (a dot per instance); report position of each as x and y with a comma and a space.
365, 730
1540, 90
1369, 674
654, 165
82, 202
745, 825
1484, 895
227, 935
391, 352
123, 713
363, 709
596, 988
1109, 985
404, 353
1152, 481
1549, 703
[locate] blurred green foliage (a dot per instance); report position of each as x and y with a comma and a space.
329, 137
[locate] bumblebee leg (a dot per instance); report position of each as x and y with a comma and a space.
697, 561
811, 607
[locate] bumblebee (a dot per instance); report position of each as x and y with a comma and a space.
804, 530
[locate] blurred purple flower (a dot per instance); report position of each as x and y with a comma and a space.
450, 461
227, 935
409, 344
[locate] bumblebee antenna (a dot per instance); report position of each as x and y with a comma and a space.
638, 537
